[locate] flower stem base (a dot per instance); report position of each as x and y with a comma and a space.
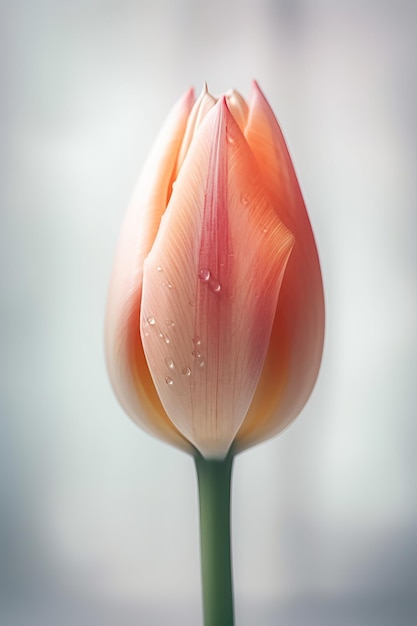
214, 497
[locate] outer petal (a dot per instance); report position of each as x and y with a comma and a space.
211, 284
296, 345
126, 362
201, 107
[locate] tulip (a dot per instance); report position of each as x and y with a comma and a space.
215, 316
217, 266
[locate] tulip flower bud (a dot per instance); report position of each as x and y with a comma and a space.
215, 317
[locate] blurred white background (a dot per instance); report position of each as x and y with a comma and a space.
99, 521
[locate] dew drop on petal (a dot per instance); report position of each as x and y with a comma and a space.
169, 381
197, 341
244, 199
151, 320
159, 268
170, 323
215, 285
170, 363
186, 371
196, 354
201, 364
204, 274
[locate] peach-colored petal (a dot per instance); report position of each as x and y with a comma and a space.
210, 287
238, 108
127, 366
295, 350
201, 107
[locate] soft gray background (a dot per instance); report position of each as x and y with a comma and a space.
99, 521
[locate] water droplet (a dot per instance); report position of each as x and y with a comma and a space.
170, 323
151, 320
215, 285
196, 354
169, 381
204, 274
164, 337
167, 284
244, 199
265, 229
197, 341
158, 268
191, 302
186, 371
170, 363
201, 364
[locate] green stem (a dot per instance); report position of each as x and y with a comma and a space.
214, 495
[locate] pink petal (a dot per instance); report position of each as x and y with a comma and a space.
238, 108
127, 367
294, 354
211, 284
201, 107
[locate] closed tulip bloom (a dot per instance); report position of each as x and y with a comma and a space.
215, 316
